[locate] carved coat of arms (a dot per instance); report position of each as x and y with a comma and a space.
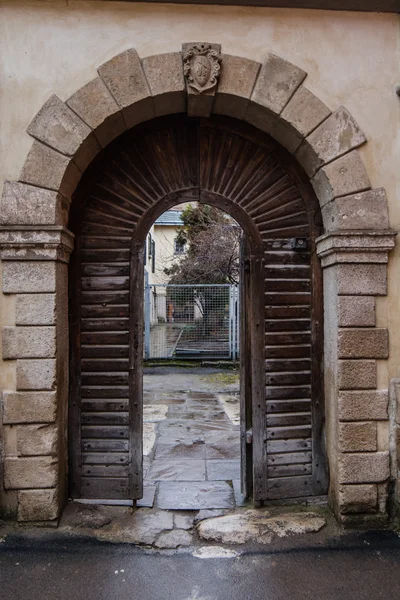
201, 65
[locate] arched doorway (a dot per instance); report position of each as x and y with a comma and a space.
231, 165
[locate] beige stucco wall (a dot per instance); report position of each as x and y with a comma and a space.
54, 46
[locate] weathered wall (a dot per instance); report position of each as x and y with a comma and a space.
351, 59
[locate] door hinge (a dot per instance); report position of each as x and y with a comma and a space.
249, 436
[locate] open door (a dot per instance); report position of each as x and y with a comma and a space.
246, 433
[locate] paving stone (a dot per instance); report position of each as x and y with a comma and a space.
173, 495
183, 521
209, 514
223, 469
240, 499
258, 526
224, 450
152, 414
174, 539
215, 552
172, 451
149, 438
177, 470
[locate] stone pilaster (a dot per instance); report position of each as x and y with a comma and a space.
354, 264
35, 270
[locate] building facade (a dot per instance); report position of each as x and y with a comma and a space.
308, 94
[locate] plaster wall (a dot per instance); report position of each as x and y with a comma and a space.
351, 58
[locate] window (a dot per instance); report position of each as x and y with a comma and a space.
179, 247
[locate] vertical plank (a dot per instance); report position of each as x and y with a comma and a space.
246, 448
74, 400
320, 478
136, 373
257, 312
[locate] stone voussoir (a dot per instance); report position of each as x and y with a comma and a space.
29, 407
366, 210
357, 374
29, 342
94, 104
23, 204
277, 81
46, 168
124, 77
342, 177
304, 111
363, 343
164, 74
57, 126
363, 405
371, 467
33, 472
336, 136
235, 86
38, 505
358, 437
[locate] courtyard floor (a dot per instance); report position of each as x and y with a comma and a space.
191, 439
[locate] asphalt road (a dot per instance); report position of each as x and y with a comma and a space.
354, 566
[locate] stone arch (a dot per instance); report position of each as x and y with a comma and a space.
34, 214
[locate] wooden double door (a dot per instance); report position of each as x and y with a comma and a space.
242, 171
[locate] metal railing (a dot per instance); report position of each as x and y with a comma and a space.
191, 321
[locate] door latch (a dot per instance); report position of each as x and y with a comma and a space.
249, 436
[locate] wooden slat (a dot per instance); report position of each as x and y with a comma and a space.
290, 487
105, 470
104, 418
289, 458
105, 458
106, 446
105, 488
105, 431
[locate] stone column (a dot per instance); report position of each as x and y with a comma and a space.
35, 270
355, 271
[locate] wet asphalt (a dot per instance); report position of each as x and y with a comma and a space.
353, 566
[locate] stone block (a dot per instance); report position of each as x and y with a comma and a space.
164, 73
363, 343
363, 405
358, 498
36, 374
336, 136
29, 342
46, 168
362, 279
23, 204
33, 472
305, 111
38, 505
276, 83
94, 104
236, 83
342, 177
358, 437
124, 77
29, 276
282, 131
354, 311
367, 210
372, 467
37, 440
57, 126
357, 374
29, 407
35, 309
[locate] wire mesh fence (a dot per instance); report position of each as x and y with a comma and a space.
191, 321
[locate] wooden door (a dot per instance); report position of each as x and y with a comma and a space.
243, 171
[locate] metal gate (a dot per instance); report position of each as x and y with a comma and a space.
191, 321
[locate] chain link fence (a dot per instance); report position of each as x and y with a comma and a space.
191, 321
